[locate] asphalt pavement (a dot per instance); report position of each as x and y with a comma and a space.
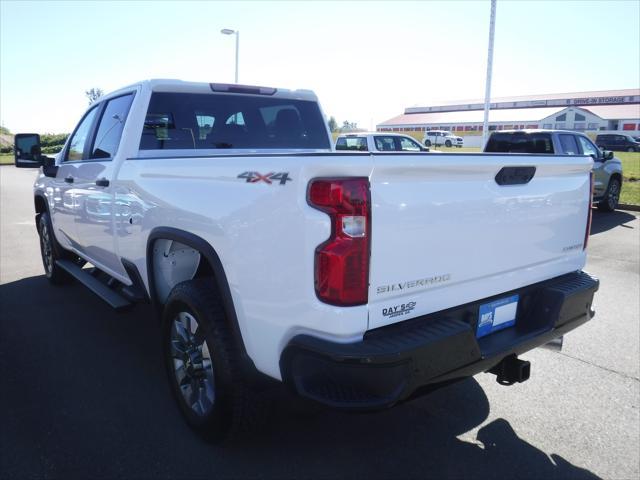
83, 393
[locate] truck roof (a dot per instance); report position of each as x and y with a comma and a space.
174, 85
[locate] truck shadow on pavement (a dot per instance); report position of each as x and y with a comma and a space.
84, 395
601, 221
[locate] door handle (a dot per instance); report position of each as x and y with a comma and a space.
68, 179
102, 182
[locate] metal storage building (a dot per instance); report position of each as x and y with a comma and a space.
606, 110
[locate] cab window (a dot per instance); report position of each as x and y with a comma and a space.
569, 144
111, 126
352, 143
80, 137
385, 144
588, 148
203, 121
408, 145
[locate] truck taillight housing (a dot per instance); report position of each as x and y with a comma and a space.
589, 212
342, 262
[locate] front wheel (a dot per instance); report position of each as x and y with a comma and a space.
447, 143
631, 149
611, 196
203, 363
427, 143
50, 252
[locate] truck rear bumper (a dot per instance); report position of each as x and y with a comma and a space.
394, 362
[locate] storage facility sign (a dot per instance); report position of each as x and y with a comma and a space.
597, 100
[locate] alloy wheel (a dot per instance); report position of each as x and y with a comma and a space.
192, 365
46, 247
614, 194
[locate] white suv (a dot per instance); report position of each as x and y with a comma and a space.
441, 137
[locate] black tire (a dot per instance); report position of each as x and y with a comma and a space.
447, 143
631, 149
611, 196
232, 409
427, 143
51, 251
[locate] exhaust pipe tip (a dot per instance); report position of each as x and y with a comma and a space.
554, 345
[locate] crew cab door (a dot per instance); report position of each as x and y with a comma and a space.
93, 178
600, 175
63, 198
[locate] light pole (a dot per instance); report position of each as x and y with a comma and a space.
487, 91
228, 31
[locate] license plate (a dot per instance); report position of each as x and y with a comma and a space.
497, 315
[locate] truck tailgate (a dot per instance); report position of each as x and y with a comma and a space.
445, 233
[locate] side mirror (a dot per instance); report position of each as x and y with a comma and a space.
27, 152
424, 149
607, 155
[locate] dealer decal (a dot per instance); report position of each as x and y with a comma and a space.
268, 178
399, 310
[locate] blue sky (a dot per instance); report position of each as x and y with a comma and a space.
367, 61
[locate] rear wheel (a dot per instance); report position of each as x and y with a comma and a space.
447, 143
611, 196
203, 362
631, 149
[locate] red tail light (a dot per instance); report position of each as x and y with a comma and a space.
342, 262
589, 213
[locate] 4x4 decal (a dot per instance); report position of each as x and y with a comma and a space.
255, 177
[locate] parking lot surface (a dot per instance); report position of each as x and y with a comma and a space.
83, 393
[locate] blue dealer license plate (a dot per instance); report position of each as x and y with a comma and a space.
497, 315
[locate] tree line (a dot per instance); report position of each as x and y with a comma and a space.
347, 126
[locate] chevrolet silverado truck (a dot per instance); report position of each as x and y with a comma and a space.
607, 169
355, 278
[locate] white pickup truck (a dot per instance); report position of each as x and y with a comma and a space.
354, 278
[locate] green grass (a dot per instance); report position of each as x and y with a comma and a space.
630, 193
630, 164
6, 159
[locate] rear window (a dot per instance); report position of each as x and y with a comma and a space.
210, 121
519, 142
352, 143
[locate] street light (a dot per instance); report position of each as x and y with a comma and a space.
228, 31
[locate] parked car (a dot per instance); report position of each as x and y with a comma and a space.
618, 142
355, 279
607, 169
378, 142
442, 137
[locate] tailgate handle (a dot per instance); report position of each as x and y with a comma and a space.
515, 175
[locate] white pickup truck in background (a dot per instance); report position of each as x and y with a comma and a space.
378, 142
354, 278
